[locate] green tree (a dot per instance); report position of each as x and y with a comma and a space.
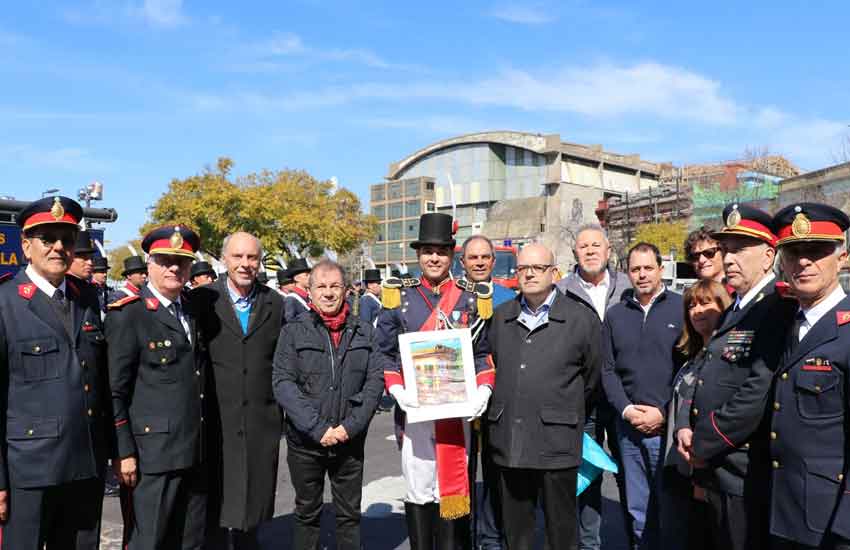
286, 207
665, 236
116, 258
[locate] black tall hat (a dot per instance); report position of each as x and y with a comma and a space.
84, 243
100, 265
284, 277
134, 264
435, 229
201, 268
298, 265
372, 276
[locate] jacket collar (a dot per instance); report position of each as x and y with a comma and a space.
558, 311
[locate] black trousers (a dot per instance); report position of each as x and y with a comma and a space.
831, 542
169, 510
736, 525
307, 469
59, 517
222, 538
519, 491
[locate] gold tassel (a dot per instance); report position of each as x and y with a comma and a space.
390, 297
485, 307
454, 506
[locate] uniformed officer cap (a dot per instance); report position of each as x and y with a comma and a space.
372, 276
298, 265
201, 268
810, 221
84, 243
100, 265
746, 220
134, 264
50, 210
177, 240
284, 277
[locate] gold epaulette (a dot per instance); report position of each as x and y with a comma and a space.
483, 293
391, 290
117, 304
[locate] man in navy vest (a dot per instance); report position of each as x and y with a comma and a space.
370, 302
55, 409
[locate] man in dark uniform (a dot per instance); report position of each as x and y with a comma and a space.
434, 453
370, 302
721, 438
809, 442
82, 266
100, 267
202, 273
157, 367
135, 274
284, 282
55, 412
297, 301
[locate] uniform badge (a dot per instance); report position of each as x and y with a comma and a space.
27, 290
151, 346
801, 226
151, 303
57, 210
88, 327
818, 364
167, 343
734, 217
842, 317
176, 240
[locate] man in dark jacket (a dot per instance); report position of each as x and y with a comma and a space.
241, 320
638, 338
55, 413
546, 349
599, 287
328, 380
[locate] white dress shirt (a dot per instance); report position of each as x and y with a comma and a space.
166, 303
741, 303
598, 293
814, 313
43, 284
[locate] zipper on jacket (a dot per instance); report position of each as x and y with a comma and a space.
331, 355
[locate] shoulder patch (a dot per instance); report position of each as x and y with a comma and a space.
410, 282
152, 304
392, 282
118, 304
27, 290
842, 317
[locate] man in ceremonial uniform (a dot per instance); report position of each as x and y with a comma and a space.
100, 268
297, 300
434, 453
82, 266
284, 282
202, 273
157, 367
55, 413
135, 274
720, 438
809, 442
370, 302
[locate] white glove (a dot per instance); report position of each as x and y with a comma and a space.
482, 397
403, 397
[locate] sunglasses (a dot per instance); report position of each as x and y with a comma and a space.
709, 253
49, 238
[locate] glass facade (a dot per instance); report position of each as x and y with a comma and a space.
380, 211
396, 210
412, 209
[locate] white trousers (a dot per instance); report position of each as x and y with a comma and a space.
418, 461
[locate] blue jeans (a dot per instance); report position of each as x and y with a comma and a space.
642, 461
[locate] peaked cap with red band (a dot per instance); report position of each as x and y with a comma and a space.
49, 210
175, 240
810, 221
748, 221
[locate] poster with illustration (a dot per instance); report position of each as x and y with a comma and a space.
439, 369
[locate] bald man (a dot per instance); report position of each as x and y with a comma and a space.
536, 415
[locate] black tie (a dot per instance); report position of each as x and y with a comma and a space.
60, 304
794, 335
174, 308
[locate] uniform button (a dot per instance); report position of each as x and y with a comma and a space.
840, 477
518, 420
36, 349
528, 340
83, 363
700, 382
197, 373
202, 396
817, 388
147, 429
86, 388
773, 435
91, 412
784, 376
746, 446
695, 411
30, 432
522, 366
163, 360
775, 464
776, 405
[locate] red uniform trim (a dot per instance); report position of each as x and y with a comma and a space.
46, 217
486, 377
152, 304
120, 423
824, 368
391, 378
721, 434
842, 317
164, 244
27, 290
818, 229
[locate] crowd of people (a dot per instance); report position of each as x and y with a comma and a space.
724, 408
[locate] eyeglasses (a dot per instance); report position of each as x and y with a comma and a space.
709, 253
49, 238
533, 268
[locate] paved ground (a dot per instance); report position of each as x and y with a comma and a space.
383, 522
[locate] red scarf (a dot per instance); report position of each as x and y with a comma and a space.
334, 323
301, 292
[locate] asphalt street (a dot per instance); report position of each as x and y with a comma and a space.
383, 526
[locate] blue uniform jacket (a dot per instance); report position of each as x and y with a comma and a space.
370, 307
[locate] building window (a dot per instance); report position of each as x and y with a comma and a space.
396, 252
394, 191
411, 188
412, 209
394, 231
411, 230
429, 206
382, 232
379, 253
380, 212
429, 185
378, 192
396, 210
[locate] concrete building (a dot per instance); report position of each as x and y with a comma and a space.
510, 186
829, 185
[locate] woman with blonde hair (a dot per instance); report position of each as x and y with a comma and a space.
704, 304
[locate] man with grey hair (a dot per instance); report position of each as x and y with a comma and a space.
327, 378
598, 286
242, 321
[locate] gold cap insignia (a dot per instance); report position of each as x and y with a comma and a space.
176, 240
801, 226
57, 210
733, 219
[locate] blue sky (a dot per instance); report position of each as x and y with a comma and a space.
133, 93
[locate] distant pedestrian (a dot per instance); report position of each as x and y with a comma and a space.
328, 380
370, 302
639, 337
297, 300
135, 275
202, 273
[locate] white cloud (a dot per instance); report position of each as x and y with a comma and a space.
524, 15
162, 14
70, 159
